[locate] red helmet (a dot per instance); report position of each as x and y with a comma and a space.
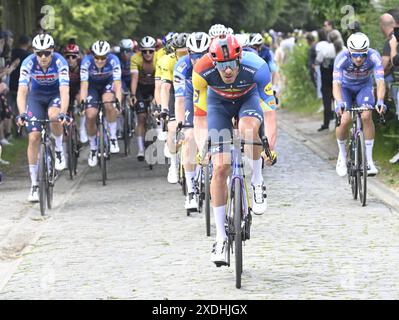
224, 49
71, 49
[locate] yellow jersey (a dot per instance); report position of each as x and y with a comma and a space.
146, 70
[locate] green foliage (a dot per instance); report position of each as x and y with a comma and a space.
299, 93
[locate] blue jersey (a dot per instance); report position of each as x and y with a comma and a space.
110, 72
350, 75
125, 67
182, 77
56, 75
266, 55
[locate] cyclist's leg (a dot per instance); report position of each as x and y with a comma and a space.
141, 111
342, 130
54, 106
36, 109
365, 98
270, 120
91, 111
111, 112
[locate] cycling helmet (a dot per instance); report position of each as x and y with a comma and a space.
167, 38
71, 49
148, 43
358, 42
230, 30
179, 40
267, 39
100, 48
224, 49
126, 44
43, 42
217, 30
243, 39
198, 42
255, 39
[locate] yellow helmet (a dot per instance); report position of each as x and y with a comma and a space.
267, 39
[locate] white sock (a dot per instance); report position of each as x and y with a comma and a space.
342, 147
220, 217
33, 168
82, 123
140, 143
173, 159
190, 176
369, 150
93, 142
58, 143
112, 130
257, 177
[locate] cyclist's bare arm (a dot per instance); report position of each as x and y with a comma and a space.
21, 98
64, 94
84, 90
165, 94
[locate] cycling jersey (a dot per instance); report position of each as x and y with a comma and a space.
347, 73
41, 82
254, 74
183, 85
99, 77
266, 55
145, 70
167, 64
125, 67
74, 82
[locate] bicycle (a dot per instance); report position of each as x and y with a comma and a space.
72, 142
238, 211
128, 122
47, 175
357, 161
103, 147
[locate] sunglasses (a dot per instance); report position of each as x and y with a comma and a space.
195, 56
222, 66
71, 57
148, 51
101, 58
359, 55
43, 53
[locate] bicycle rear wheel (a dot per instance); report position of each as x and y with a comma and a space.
127, 129
103, 159
361, 167
207, 192
238, 230
42, 180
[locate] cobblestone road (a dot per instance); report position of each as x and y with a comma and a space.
133, 240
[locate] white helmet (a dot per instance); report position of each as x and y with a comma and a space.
43, 42
230, 31
126, 44
148, 43
101, 48
256, 39
198, 42
243, 39
217, 30
358, 42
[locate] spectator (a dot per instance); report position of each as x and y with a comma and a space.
387, 23
311, 58
325, 55
328, 26
18, 55
394, 47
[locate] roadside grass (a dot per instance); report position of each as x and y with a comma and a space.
15, 154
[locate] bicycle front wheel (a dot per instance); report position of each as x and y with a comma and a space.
361, 167
238, 230
103, 158
127, 129
207, 191
50, 176
70, 151
42, 180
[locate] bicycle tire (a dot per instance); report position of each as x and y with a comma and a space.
42, 174
207, 191
126, 129
75, 149
50, 177
362, 168
352, 170
238, 230
103, 159
70, 152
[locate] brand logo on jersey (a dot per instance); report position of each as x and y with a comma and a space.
196, 96
45, 77
181, 67
248, 69
268, 89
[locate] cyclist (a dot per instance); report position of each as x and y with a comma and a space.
232, 83
168, 100
198, 45
270, 115
100, 74
125, 55
71, 53
142, 67
352, 81
43, 92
